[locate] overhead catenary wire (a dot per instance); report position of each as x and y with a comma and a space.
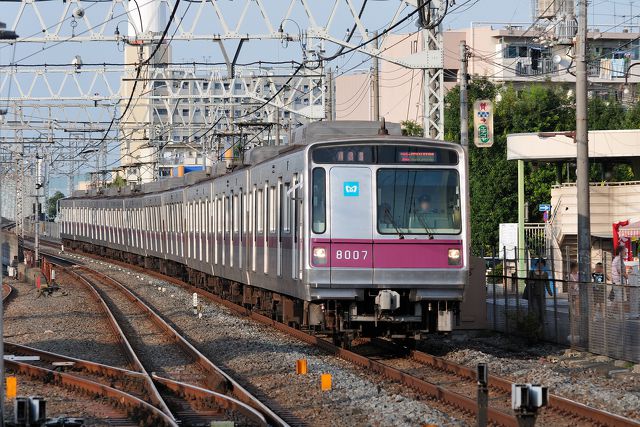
344, 52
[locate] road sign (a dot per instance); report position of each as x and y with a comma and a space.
483, 123
544, 207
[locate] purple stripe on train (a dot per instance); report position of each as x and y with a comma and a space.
386, 253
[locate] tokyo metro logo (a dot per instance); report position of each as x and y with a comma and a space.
351, 189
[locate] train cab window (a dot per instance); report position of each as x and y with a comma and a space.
319, 201
350, 154
418, 201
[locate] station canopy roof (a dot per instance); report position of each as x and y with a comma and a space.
560, 146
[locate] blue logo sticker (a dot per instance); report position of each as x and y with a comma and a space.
351, 189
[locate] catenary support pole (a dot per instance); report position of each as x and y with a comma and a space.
4, 34
464, 101
521, 255
464, 141
582, 173
375, 81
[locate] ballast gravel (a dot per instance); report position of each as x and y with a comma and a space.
68, 322
62, 403
264, 359
593, 380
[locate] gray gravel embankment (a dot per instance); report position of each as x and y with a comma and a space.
264, 359
68, 323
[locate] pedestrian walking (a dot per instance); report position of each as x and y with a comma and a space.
536, 286
598, 290
618, 270
574, 286
574, 300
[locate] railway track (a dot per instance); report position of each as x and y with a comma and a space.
179, 379
129, 407
432, 383
132, 383
559, 412
7, 291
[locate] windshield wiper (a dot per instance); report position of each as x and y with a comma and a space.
424, 225
387, 213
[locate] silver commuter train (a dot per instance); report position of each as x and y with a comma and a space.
348, 230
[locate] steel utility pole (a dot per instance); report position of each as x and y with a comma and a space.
375, 82
37, 209
4, 34
464, 102
582, 162
464, 139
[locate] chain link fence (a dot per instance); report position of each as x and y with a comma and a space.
545, 304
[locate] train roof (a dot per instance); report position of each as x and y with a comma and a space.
343, 129
311, 133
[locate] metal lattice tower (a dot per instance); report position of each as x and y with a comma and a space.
434, 76
53, 98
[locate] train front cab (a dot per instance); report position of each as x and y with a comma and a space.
387, 244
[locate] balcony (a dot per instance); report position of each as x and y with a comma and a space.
523, 68
535, 67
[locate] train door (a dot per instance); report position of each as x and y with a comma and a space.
285, 230
280, 202
351, 225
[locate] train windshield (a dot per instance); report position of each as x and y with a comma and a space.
424, 201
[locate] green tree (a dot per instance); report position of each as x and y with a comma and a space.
118, 182
52, 206
411, 128
604, 114
537, 108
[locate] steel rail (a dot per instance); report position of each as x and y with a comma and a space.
556, 402
110, 372
152, 391
223, 400
432, 390
7, 292
218, 379
136, 408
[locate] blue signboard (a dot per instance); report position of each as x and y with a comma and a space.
351, 188
544, 208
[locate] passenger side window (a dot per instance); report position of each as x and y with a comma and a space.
259, 211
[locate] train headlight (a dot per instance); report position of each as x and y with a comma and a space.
319, 256
454, 256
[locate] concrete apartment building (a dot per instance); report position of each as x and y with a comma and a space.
508, 54
182, 118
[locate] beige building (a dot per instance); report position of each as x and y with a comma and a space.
511, 54
610, 201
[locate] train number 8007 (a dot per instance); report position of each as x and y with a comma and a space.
351, 254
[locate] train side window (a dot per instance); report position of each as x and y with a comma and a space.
272, 209
243, 214
235, 213
319, 201
259, 211
250, 212
285, 208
